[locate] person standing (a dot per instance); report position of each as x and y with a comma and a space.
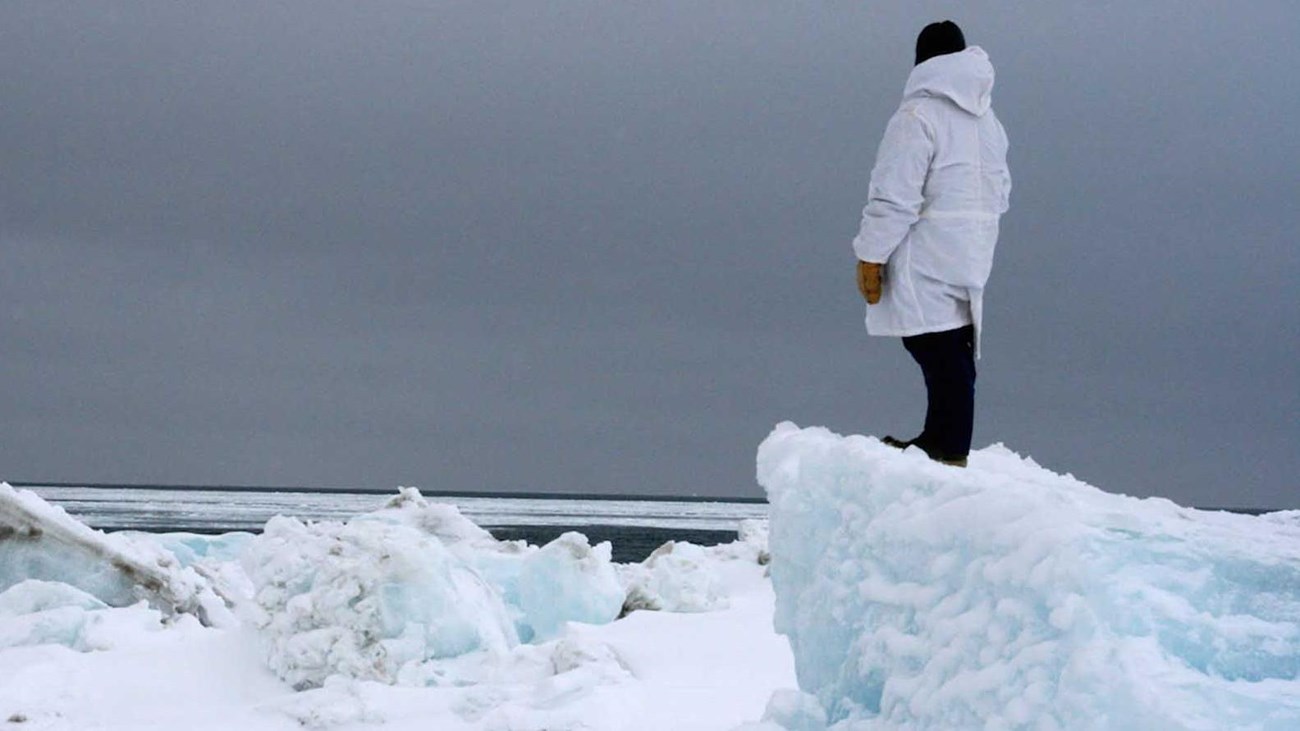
925, 246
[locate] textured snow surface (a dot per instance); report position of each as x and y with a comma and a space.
365, 599
683, 577
1004, 596
677, 577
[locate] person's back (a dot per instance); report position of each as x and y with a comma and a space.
925, 247
968, 185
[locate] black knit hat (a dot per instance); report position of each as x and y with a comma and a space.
937, 39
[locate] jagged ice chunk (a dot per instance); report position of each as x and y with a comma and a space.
917, 595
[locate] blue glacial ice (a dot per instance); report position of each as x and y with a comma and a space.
920, 596
197, 548
568, 580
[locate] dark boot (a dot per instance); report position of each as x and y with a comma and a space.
931, 453
938, 455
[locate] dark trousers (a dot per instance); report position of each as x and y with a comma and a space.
947, 360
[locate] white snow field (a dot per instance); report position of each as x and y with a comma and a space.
913, 596
410, 617
1004, 596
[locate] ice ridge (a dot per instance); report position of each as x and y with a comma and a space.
917, 595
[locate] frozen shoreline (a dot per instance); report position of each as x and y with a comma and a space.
910, 595
710, 667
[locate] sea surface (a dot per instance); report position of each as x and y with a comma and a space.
634, 526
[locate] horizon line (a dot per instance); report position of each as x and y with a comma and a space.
528, 495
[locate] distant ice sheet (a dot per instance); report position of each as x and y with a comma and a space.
227, 510
1005, 596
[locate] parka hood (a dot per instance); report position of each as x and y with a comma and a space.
965, 78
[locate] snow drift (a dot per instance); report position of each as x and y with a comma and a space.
916, 595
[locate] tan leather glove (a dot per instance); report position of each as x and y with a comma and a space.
869, 281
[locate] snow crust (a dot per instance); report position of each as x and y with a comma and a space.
920, 596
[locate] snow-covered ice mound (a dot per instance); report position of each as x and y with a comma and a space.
677, 577
379, 596
683, 577
921, 596
567, 580
365, 599
41, 541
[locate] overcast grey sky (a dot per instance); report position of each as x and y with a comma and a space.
604, 246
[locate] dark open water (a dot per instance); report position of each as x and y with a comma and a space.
629, 544
634, 525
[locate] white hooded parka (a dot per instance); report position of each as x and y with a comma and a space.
937, 190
